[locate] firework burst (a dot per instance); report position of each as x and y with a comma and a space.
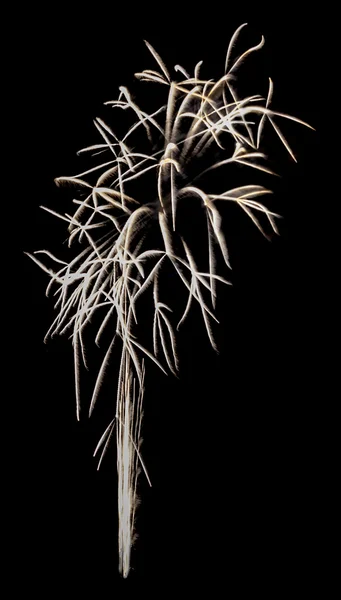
167, 154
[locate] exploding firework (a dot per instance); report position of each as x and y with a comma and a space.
127, 220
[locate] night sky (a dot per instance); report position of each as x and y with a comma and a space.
232, 446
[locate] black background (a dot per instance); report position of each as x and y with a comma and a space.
234, 447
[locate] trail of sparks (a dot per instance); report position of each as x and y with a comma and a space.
129, 418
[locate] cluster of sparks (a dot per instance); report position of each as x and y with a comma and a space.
116, 266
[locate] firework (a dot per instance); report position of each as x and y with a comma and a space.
126, 203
